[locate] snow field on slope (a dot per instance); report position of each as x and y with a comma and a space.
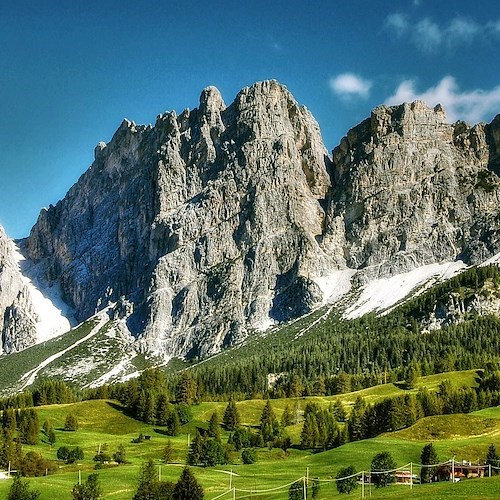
53, 313
383, 293
335, 285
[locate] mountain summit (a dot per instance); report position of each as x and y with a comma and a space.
227, 219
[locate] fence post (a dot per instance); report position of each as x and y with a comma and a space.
489, 470
305, 488
363, 484
411, 475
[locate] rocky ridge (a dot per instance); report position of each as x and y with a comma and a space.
17, 316
223, 219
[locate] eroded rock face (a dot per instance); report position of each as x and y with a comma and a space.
203, 222
217, 221
411, 189
17, 317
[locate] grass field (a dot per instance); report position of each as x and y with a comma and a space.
105, 424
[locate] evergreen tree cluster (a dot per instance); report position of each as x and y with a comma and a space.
207, 451
151, 488
149, 398
20, 427
391, 414
320, 428
89, 490
361, 353
46, 392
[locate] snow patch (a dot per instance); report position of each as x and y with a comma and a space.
383, 293
113, 374
265, 324
54, 316
492, 260
335, 285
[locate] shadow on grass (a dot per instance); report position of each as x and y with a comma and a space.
163, 432
122, 409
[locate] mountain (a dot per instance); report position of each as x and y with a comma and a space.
31, 308
225, 220
17, 317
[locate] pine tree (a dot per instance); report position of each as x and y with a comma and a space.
33, 427
287, 416
163, 410
492, 458
46, 427
309, 435
187, 487
185, 391
120, 457
319, 386
168, 453
71, 423
428, 457
338, 411
90, 490
212, 453
355, 424
173, 423
51, 437
269, 426
148, 482
231, 419
20, 490
149, 413
214, 426
194, 455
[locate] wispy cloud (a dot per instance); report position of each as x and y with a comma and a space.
350, 85
429, 36
398, 23
471, 105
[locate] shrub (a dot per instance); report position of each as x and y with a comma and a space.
248, 456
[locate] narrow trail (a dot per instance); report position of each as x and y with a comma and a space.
31, 375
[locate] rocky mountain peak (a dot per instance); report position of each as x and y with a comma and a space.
224, 220
211, 101
411, 188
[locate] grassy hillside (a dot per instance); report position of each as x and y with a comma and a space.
105, 424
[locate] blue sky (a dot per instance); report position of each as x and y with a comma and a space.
71, 71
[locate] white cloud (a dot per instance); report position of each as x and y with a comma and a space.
462, 30
398, 23
427, 35
472, 106
430, 36
349, 85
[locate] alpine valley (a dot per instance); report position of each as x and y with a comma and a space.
230, 231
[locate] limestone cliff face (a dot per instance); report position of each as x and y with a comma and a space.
218, 221
206, 225
410, 189
17, 317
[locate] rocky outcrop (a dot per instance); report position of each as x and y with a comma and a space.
205, 224
220, 220
458, 306
411, 189
17, 317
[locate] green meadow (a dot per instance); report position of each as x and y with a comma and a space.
105, 425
